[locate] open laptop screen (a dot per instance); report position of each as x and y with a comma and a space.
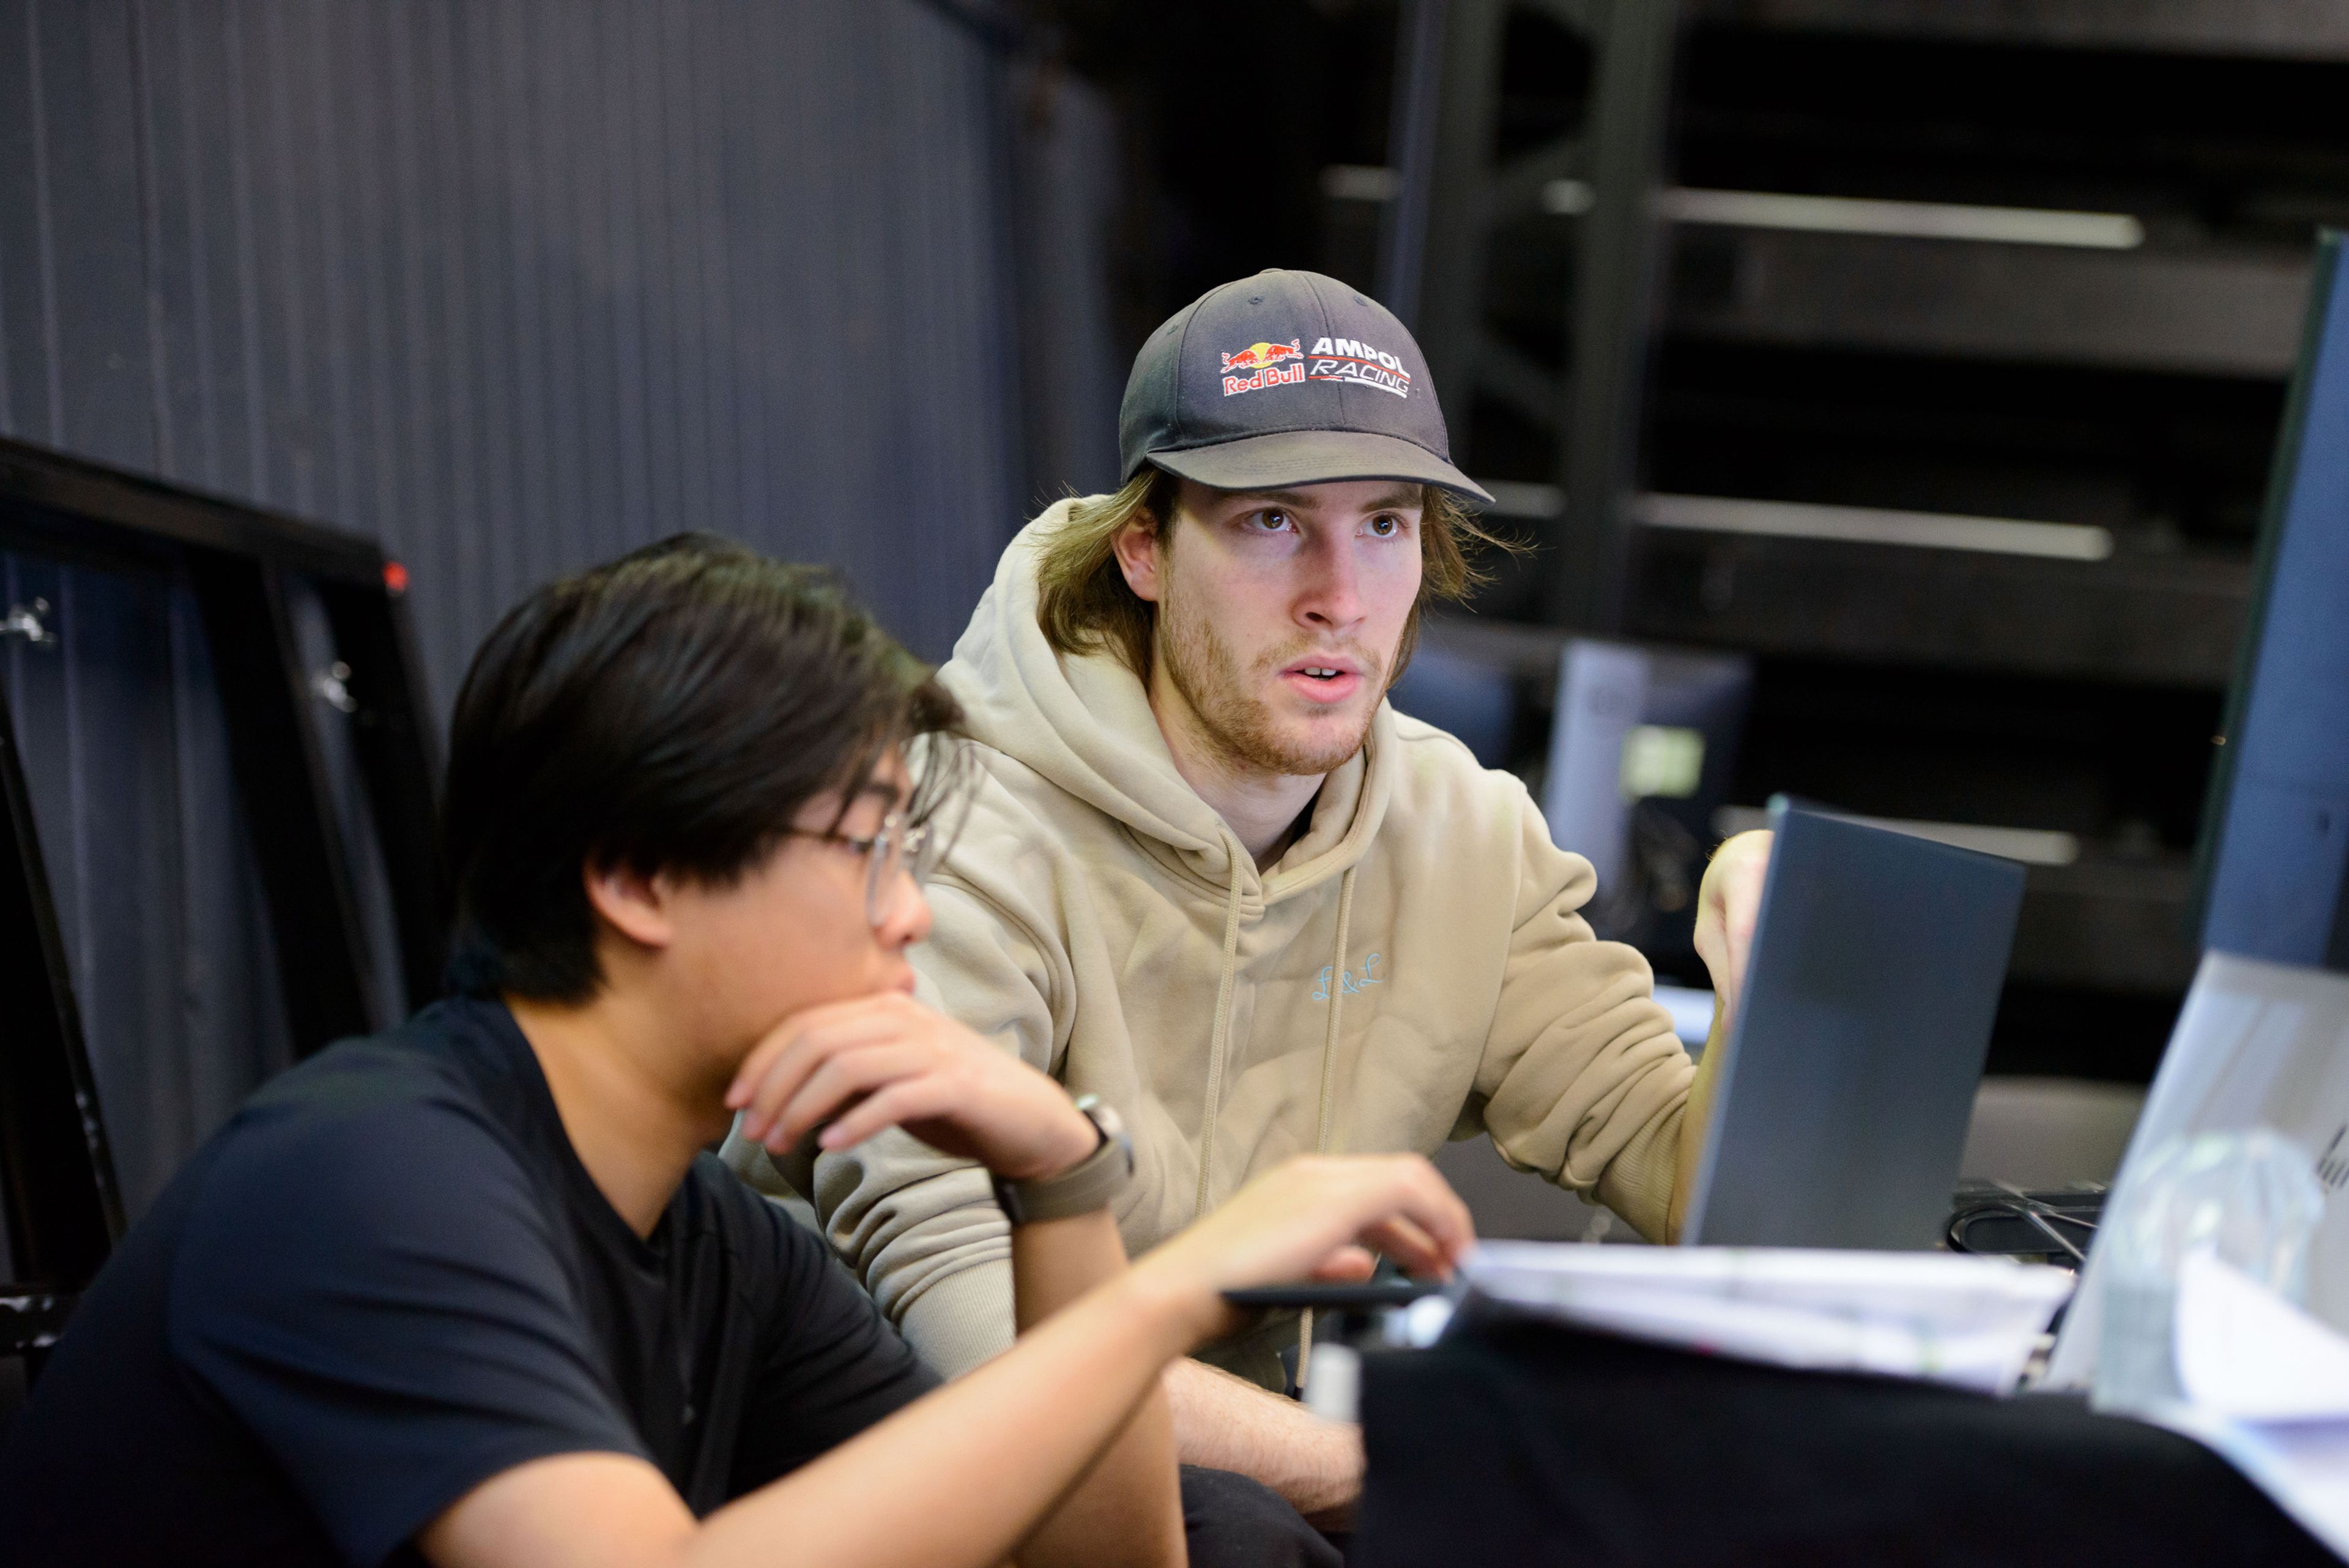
1839, 1113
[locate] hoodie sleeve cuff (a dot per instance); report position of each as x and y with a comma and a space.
1638, 1182
962, 1320
752, 1162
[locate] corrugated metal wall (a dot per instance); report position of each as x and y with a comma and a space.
158, 902
512, 285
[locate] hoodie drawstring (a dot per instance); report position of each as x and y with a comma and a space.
1222, 1031
1329, 1086
1336, 1005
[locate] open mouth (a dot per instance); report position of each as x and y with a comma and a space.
1322, 682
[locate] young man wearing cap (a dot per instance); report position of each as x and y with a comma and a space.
1211, 879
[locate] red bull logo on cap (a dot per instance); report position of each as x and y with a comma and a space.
1264, 360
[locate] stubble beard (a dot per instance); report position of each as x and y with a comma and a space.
1239, 724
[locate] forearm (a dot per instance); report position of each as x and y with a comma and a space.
1128, 1508
1692, 1123
962, 1477
983, 1458
1227, 1423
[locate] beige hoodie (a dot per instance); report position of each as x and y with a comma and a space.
1412, 970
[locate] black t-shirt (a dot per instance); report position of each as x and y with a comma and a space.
390, 1279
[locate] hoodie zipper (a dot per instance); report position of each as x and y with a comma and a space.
1329, 1089
1219, 1040
1219, 1044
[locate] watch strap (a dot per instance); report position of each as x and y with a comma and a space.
1092, 1183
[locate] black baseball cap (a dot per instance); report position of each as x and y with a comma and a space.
1284, 378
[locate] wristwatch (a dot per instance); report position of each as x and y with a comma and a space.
1086, 1186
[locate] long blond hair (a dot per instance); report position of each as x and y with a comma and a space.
1084, 605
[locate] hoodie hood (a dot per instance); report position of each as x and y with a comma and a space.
1084, 723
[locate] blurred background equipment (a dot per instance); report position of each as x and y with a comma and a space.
1642, 750
1963, 347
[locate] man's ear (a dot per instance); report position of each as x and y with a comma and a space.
1139, 556
631, 903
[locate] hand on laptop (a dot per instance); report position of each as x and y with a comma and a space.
1315, 1217
854, 1068
1727, 906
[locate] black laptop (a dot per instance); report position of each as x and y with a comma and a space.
1840, 1109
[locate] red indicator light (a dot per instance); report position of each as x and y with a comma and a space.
395, 578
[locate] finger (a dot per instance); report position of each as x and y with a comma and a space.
1409, 1246
1399, 1202
874, 1013
840, 1080
1349, 1265
906, 1100
773, 1089
1744, 912
1744, 896
761, 1060
1424, 1198
1745, 899
802, 1056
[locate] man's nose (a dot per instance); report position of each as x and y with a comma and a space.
1332, 596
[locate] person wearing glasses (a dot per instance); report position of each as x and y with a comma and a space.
473, 1291
1213, 878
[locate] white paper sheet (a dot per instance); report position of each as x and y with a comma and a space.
2248, 1354
2258, 1044
1972, 1322
2268, 1388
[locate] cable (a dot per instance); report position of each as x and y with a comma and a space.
2041, 1215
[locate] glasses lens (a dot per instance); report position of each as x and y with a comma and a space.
925, 847
881, 867
916, 841
950, 786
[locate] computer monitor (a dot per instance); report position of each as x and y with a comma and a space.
1473, 700
2274, 850
1642, 752
1839, 1108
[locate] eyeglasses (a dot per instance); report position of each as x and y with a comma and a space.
900, 846
941, 799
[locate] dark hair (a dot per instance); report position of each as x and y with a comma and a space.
672, 711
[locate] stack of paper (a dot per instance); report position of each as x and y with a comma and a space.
2266, 1386
1968, 1321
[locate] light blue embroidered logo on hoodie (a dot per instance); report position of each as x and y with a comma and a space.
1349, 982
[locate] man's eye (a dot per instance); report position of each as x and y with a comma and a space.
1270, 522
1386, 527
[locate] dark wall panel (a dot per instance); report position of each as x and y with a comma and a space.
512, 285
125, 751
518, 284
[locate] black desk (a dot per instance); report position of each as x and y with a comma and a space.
1520, 1442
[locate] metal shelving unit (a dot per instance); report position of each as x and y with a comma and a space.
1752, 306
2212, 312
2295, 29
2153, 619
